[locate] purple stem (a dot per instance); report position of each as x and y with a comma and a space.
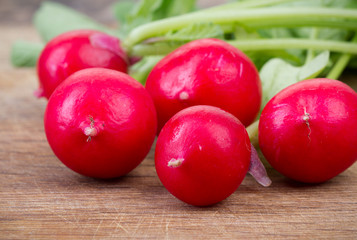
257, 169
108, 42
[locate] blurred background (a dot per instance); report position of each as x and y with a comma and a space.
16, 20
15, 12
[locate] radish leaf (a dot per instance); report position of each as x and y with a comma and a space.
132, 15
277, 74
53, 19
25, 54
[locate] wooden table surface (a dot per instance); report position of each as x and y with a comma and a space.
42, 199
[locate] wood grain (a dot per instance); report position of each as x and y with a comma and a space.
41, 199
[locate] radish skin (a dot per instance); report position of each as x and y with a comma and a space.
100, 123
206, 72
75, 50
308, 131
203, 154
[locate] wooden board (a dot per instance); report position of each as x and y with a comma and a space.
41, 199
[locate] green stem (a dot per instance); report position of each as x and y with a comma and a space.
341, 63
253, 131
311, 52
339, 66
261, 17
292, 43
304, 22
248, 4
259, 45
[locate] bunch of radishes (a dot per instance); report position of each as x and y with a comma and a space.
101, 123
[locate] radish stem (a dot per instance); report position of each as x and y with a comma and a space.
252, 130
247, 4
311, 52
291, 43
257, 169
259, 45
341, 63
256, 18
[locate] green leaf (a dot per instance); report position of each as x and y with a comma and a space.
146, 11
240, 31
314, 67
53, 19
25, 54
140, 13
259, 58
175, 8
277, 74
147, 8
121, 9
276, 33
195, 31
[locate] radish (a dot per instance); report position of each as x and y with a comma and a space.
76, 50
100, 123
308, 131
208, 72
203, 154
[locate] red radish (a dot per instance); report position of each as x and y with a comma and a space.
202, 155
308, 131
100, 122
208, 72
76, 50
